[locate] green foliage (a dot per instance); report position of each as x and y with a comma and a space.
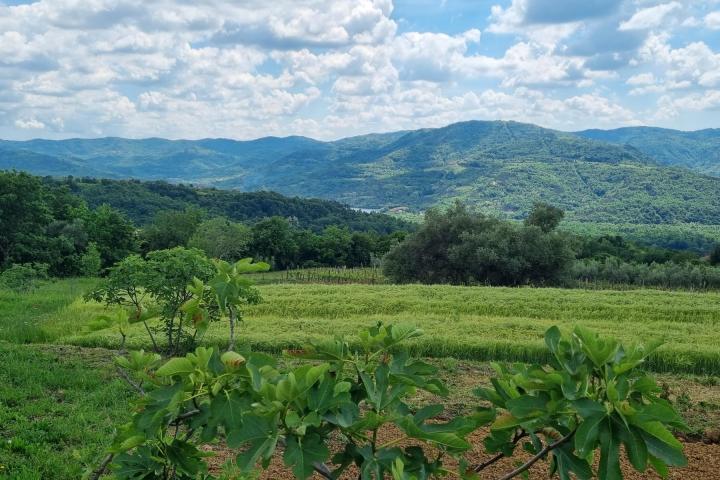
545, 216
715, 255
611, 272
501, 167
113, 234
223, 239
23, 277
91, 261
48, 224
141, 201
170, 229
461, 247
230, 290
694, 150
164, 278
593, 397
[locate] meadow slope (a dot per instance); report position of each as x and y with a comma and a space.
476, 323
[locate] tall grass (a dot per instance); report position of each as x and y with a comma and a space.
42, 314
323, 275
479, 323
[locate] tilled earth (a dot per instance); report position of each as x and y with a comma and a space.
698, 400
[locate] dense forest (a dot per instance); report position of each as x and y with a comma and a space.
500, 167
83, 227
49, 224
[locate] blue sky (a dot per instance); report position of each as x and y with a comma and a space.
327, 69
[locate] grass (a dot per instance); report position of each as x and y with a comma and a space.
365, 275
58, 409
59, 402
34, 316
477, 323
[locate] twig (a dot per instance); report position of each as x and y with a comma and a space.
130, 381
97, 473
519, 434
538, 456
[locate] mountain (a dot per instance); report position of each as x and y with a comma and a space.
502, 167
699, 150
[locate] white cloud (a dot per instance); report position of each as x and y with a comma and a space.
329, 68
651, 17
712, 20
641, 79
30, 123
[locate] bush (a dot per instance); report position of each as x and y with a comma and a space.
462, 247
23, 277
164, 281
593, 397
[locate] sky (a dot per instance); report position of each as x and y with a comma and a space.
333, 68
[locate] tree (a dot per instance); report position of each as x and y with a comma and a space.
171, 229
167, 278
545, 216
715, 255
220, 238
461, 247
273, 241
230, 290
334, 246
113, 234
91, 261
24, 216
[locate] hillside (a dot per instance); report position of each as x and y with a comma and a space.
698, 150
141, 200
500, 167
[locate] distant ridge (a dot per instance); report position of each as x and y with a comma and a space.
630, 175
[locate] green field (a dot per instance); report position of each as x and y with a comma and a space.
476, 323
59, 401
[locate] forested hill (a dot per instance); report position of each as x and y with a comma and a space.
500, 167
140, 201
699, 150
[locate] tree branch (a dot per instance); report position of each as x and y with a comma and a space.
97, 473
538, 456
130, 381
519, 435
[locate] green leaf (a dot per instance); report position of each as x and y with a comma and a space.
302, 452
527, 406
587, 434
663, 451
175, 366
609, 454
259, 435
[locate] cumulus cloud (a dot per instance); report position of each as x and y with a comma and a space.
651, 17
712, 20
329, 68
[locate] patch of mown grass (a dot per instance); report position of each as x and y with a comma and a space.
477, 323
34, 316
58, 409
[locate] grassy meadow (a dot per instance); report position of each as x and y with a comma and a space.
474, 323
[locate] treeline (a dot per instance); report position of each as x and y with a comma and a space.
54, 229
277, 240
47, 227
142, 200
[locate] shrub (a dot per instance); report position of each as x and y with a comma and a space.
23, 277
462, 247
593, 398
